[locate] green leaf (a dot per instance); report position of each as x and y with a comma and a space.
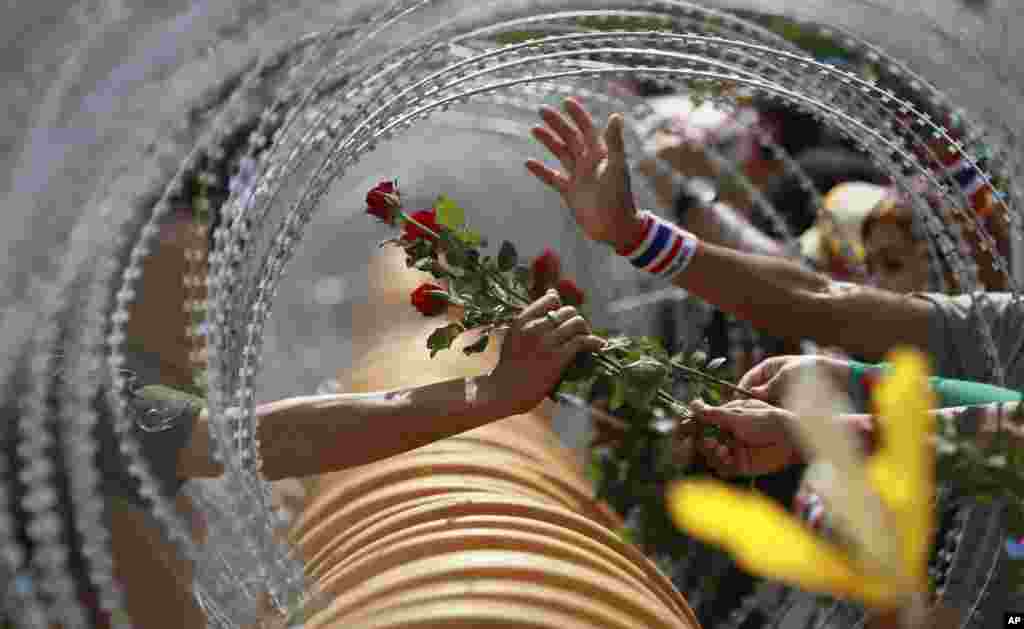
646, 372
455, 250
595, 470
420, 249
507, 256
618, 395
429, 265
478, 346
449, 213
641, 397
712, 396
643, 378
627, 535
470, 238
442, 338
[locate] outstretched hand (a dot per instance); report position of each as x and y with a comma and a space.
770, 378
595, 180
538, 347
760, 438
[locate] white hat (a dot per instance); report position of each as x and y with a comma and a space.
849, 204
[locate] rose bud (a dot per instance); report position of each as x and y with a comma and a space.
383, 202
570, 293
545, 271
426, 218
426, 300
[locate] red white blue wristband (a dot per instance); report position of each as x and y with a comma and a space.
665, 249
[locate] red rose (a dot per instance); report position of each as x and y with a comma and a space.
569, 292
426, 302
545, 271
383, 201
427, 218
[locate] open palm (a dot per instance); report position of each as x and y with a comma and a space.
595, 180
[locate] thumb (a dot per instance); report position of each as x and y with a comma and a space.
613, 139
763, 373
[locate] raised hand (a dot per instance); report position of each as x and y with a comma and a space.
761, 441
537, 349
595, 181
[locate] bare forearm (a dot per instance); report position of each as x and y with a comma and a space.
784, 299
310, 435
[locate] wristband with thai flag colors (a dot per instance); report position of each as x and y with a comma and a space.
663, 248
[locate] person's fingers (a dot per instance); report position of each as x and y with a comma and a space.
757, 375
613, 139
583, 343
548, 175
550, 301
566, 131
576, 326
764, 371
767, 392
585, 123
557, 317
557, 147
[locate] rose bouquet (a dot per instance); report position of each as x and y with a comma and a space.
648, 441
491, 290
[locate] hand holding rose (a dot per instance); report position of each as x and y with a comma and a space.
760, 443
539, 345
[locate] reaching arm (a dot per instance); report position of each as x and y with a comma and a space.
779, 296
319, 434
762, 439
785, 299
309, 435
